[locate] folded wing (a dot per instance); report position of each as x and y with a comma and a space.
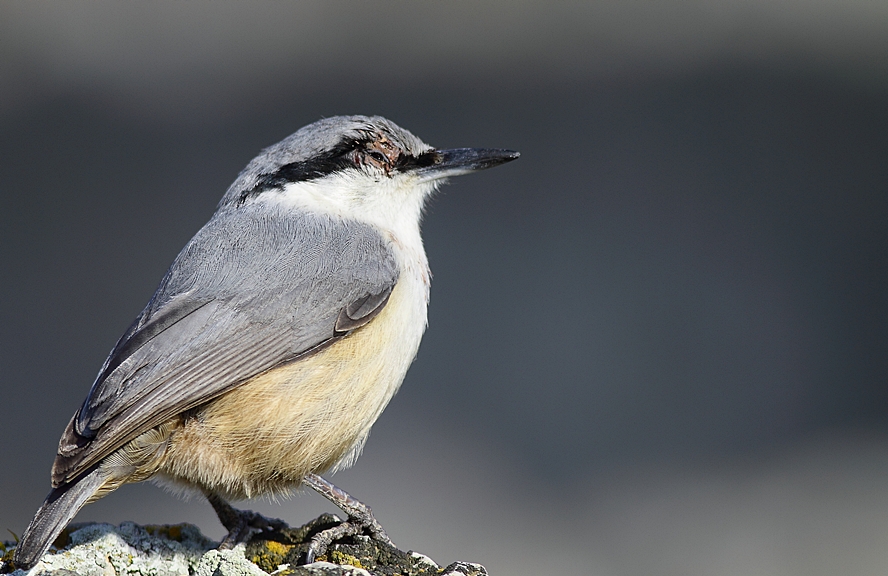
252, 290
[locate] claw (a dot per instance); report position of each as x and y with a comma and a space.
241, 524
322, 540
360, 518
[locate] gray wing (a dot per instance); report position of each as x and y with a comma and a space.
252, 290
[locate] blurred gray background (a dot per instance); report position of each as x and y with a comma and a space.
657, 342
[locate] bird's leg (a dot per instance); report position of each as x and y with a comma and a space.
359, 518
241, 524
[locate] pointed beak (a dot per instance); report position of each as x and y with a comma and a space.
436, 164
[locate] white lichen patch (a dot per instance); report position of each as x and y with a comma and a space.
227, 563
105, 550
425, 560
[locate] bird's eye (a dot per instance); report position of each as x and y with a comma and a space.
380, 154
377, 157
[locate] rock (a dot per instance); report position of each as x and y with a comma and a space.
106, 550
181, 550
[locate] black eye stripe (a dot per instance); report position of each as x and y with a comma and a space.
340, 157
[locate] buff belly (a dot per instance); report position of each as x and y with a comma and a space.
305, 417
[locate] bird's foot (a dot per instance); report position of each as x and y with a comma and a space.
242, 524
360, 519
321, 541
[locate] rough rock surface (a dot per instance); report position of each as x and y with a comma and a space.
181, 550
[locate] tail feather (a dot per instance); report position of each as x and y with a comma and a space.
60, 506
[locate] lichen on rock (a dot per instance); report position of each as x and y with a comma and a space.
105, 550
181, 550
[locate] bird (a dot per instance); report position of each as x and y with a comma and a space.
275, 339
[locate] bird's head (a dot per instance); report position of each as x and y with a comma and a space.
360, 167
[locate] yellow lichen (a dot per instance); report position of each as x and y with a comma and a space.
277, 547
270, 556
338, 557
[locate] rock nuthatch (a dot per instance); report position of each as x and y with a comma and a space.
275, 339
